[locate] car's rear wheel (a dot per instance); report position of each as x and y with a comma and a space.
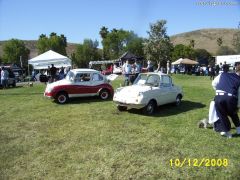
178, 100
62, 98
121, 108
14, 84
104, 94
150, 108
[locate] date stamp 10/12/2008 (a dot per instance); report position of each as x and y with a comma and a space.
203, 162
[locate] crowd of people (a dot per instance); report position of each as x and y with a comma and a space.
210, 70
52, 73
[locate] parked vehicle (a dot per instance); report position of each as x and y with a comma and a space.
79, 83
148, 91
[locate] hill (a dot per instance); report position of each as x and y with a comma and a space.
32, 46
204, 39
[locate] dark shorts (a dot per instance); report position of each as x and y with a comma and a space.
4, 82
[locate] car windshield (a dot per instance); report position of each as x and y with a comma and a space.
70, 76
147, 79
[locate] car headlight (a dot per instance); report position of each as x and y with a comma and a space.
140, 94
49, 89
118, 90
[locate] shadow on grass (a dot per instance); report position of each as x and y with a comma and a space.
170, 109
86, 100
236, 135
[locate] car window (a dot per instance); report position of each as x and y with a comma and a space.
82, 77
166, 81
70, 75
97, 77
153, 80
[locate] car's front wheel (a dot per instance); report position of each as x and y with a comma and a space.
62, 98
121, 108
150, 108
178, 100
104, 94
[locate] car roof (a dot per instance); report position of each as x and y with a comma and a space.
84, 70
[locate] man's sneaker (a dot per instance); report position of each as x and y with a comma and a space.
226, 134
238, 130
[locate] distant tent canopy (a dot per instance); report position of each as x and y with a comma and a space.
50, 57
129, 56
185, 61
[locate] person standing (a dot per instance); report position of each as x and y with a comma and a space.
53, 71
226, 100
127, 69
217, 69
34, 75
61, 73
149, 66
168, 67
212, 72
4, 78
225, 67
138, 69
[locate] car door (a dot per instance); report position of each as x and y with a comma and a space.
96, 82
168, 92
156, 91
82, 85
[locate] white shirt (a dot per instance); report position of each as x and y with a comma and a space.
4, 74
215, 82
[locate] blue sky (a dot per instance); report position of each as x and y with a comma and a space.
80, 19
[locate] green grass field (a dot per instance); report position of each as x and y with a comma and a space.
89, 139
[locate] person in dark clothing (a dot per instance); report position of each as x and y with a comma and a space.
53, 71
217, 69
226, 100
225, 67
212, 72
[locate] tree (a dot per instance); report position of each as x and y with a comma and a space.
182, 51
117, 41
13, 50
225, 50
103, 33
192, 43
135, 46
158, 46
203, 56
53, 42
86, 52
219, 41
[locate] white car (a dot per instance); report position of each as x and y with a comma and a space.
148, 91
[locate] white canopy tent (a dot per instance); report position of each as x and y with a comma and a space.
50, 57
185, 61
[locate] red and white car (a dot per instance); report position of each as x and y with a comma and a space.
80, 83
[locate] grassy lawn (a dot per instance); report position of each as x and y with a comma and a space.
89, 139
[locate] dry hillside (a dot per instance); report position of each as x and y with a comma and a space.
206, 38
